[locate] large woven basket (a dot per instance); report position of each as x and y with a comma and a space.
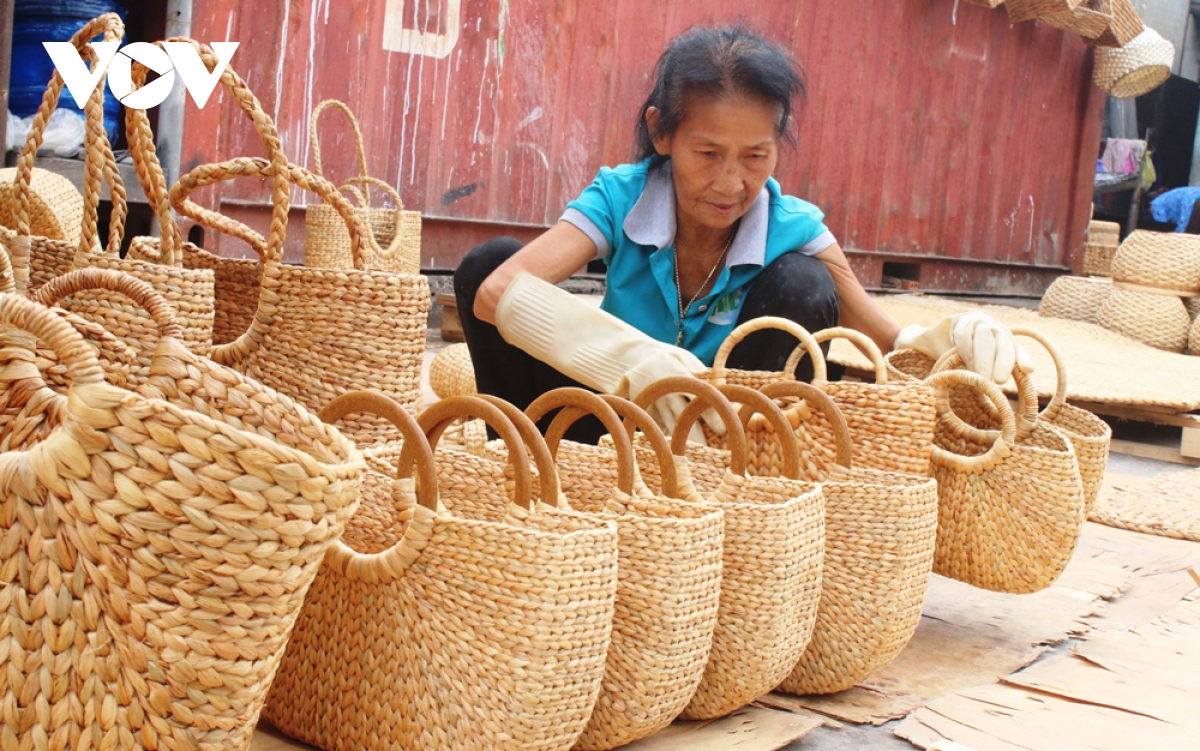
164, 592
36, 260
879, 540
774, 545
451, 373
1135, 69
1089, 19
1010, 504
428, 630
669, 562
1165, 262
1124, 27
1160, 321
891, 421
55, 205
1075, 298
319, 333
396, 231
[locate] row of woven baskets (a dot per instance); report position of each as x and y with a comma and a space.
1153, 295
1131, 58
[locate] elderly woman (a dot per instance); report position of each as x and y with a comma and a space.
697, 237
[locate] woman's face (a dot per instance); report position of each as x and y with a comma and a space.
721, 156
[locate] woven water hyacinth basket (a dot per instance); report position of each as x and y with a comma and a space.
425, 629
1160, 321
1028, 10
319, 333
774, 545
1166, 262
1097, 259
1089, 19
1010, 502
396, 231
1124, 27
55, 206
1194, 338
879, 540
1138, 68
1075, 298
164, 592
1104, 233
37, 260
452, 373
1192, 305
891, 421
669, 560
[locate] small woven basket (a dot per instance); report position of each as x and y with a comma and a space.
1160, 321
879, 540
1104, 233
1097, 259
1125, 26
774, 547
55, 204
428, 630
1075, 298
1135, 69
1029, 10
451, 373
1089, 19
1165, 262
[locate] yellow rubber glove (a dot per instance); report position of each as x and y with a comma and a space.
987, 346
595, 347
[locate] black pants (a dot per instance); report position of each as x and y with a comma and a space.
795, 286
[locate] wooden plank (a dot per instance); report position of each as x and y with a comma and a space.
750, 729
1190, 445
1150, 451
1151, 414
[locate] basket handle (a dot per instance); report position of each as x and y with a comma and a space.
1027, 397
1003, 440
8, 281
735, 436
397, 241
387, 564
753, 403
549, 488
576, 403
129, 286
1060, 367
435, 419
770, 322
79, 359
864, 343
358, 139
842, 441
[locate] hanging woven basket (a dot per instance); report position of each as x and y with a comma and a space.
1089, 19
1029, 10
1135, 69
1126, 24
1075, 298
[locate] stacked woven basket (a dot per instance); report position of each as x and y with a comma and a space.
1152, 295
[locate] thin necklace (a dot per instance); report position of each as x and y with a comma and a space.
683, 311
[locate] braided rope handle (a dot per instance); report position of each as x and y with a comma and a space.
575, 403
358, 140
388, 564
8, 281
771, 322
1002, 441
861, 341
549, 487
79, 359
842, 440
735, 435
129, 286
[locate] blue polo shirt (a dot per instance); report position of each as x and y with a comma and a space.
629, 213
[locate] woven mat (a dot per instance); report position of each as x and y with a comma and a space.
1167, 506
1101, 366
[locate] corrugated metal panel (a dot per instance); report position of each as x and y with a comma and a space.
934, 127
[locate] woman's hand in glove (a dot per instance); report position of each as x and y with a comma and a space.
986, 346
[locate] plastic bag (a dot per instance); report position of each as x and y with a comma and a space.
64, 133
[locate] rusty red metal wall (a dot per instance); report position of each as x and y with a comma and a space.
936, 131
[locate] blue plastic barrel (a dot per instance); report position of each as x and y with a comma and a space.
37, 21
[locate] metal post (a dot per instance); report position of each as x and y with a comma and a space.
170, 113
6, 24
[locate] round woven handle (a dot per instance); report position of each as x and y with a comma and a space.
1060, 367
1003, 441
386, 564
864, 343
365, 201
8, 282
79, 359
585, 403
735, 436
636, 419
129, 286
770, 322
1027, 397
435, 419
753, 403
549, 489
358, 139
842, 441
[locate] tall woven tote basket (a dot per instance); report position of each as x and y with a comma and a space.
426, 630
1010, 502
879, 540
774, 543
150, 610
398, 232
37, 260
319, 333
669, 563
